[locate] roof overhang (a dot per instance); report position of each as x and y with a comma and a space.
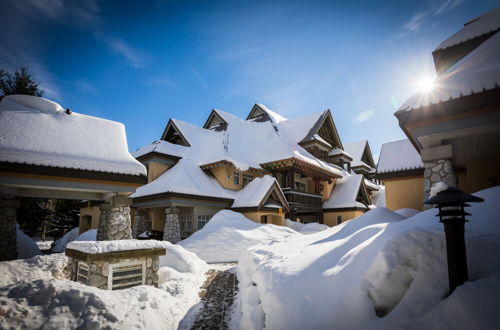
64, 183
225, 162
301, 165
172, 198
417, 172
158, 157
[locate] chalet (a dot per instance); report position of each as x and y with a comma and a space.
267, 167
455, 127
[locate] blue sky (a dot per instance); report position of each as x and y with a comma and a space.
143, 62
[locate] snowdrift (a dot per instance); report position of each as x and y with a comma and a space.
377, 271
228, 234
60, 244
306, 229
26, 246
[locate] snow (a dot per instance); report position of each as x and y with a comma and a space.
35, 294
229, 234
275, 117
378, 197
35, 131
26, 246
398, 155
345, 192
407, 212
307, 228
162, 147
95, 247
474, 28
253, 194
356, 150
60, 244
377, 271
89, 235
185, 177
477, 72
437, 188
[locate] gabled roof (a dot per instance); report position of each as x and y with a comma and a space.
346, 193
186, 177
260, 112
174, 135
162, 147
474, 28
259, 193
398, 156
36, 131
323, 126
361, 154
215, 121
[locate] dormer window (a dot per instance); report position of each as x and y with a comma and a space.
247, 178
236, 178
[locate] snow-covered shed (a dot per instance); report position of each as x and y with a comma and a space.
455, 124
49, 152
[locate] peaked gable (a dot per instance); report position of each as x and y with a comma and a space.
349, 192
260, 113
260, 193
174, 135
361, 154
215, 121
326, 129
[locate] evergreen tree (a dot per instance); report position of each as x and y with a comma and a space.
19, 82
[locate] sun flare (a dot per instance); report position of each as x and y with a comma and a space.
426, 84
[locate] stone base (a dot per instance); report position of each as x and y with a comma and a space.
141, 224
8, 234
172, 231
437, 171
114, 223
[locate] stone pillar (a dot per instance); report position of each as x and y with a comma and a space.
8, 234
142, 223
172, 231
438, 167
114, 222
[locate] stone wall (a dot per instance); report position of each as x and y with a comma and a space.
8, 235
100, 270
172, 231
436, 171
114, 223
142, 223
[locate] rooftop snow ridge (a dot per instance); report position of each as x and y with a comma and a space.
28, 102
397, 156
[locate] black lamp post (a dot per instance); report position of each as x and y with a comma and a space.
451, 203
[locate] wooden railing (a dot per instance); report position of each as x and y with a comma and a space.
302, 200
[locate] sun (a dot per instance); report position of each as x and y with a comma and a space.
426, 84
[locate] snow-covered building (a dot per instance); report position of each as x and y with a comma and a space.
49, 152
455, 126
402, 172
267, 167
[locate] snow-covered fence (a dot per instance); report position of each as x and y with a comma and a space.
112, 265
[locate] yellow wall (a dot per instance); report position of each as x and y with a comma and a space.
155, 170
92, 211
404, 192
327, 189
272, 217
481, 174
330, 218
224, 175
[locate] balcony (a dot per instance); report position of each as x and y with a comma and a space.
303, 201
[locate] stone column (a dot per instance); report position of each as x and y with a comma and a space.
142, 223
438, 167
8, 235
114, 222
172, 231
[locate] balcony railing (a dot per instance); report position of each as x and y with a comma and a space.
302, 201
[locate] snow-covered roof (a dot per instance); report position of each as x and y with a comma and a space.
185, 177
398, 156
162, 147
477, 72
345, 192
96, 247
36, 131
273, 116
356, 150
372, 185
255, 192
474, 28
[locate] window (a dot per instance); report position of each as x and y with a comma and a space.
202, 220
301, 186
236, 178
186, 223
339, 219
246, 179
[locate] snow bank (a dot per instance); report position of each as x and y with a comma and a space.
376, 271
306, 229
407, 213
60, 244
26, 246
34, 294
228, 234
89, 235
94, 247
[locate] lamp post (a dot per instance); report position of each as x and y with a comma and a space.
451, 203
